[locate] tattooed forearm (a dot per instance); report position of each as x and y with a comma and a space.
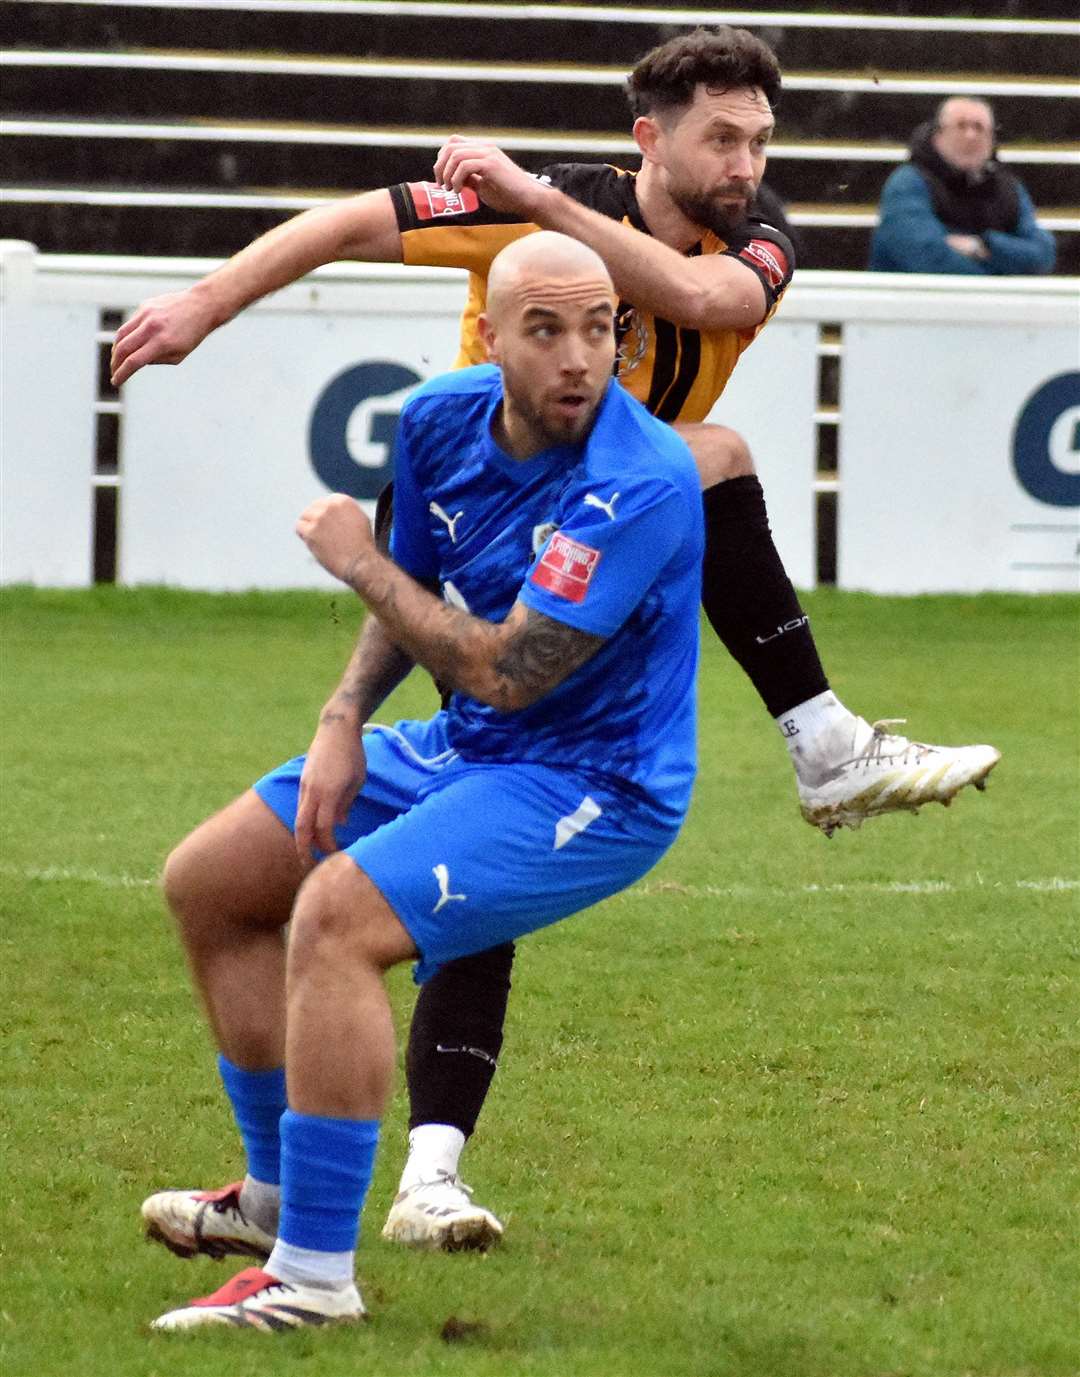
375, 669
541, 653
507, 664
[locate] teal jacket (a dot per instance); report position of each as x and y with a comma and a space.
911, 239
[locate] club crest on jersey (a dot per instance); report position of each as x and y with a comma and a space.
566, 568
541, 535
769, 258
633, 340
432, 201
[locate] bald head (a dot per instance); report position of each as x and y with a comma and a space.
955, 108
545, 265
964, 132
549, 324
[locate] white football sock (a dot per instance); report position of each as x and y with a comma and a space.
261, 1202
434, 1150
308, 1267
807, 729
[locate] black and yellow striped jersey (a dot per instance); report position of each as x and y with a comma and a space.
677, 372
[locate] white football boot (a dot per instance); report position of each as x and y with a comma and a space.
254, 1299
207, 1222
860, 771
440, 1215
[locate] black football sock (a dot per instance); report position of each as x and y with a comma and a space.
749, 599
455, 1038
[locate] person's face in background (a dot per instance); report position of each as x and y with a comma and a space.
964, 136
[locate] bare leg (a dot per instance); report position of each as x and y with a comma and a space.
231, 886
719, 452
340, 1046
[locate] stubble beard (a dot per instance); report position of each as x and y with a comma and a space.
549, 433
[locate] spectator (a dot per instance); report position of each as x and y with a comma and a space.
952, 208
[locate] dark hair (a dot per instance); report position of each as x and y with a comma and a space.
666, 78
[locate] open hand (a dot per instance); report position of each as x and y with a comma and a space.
165, 329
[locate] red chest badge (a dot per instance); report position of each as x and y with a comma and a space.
566, 568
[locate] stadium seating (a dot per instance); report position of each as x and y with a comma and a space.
166, 127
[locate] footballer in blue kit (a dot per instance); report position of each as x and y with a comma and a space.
604, 535
563, 526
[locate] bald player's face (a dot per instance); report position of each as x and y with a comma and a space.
554, 339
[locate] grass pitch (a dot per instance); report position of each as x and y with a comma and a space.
789, 1108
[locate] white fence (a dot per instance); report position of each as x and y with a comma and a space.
958, 423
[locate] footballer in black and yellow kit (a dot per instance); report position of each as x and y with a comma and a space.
677, 372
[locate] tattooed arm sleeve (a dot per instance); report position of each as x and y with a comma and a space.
508, 665
539, 653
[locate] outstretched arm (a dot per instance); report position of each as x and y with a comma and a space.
709, 292
165, 329
508, 665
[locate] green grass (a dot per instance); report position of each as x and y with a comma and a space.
790, 1108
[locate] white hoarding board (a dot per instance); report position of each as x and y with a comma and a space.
770, 400
960, 461
959, 425
222, 454
49, 362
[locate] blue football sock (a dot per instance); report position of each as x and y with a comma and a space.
325, 1172
258, 1101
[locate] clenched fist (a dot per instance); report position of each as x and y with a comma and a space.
336, 532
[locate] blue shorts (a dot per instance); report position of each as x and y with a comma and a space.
471, 855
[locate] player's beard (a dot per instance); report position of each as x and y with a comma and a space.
712, 214
550, 429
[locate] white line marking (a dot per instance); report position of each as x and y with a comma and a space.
72, 874
1055, 884
658, 888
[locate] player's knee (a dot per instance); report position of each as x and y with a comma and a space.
340, 918
201, 908
182, 880
215, 885
719, 452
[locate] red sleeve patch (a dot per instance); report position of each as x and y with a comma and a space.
768, 258
431, 200
566, 568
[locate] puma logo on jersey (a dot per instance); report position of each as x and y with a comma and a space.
591, 500
442, 876
451, 521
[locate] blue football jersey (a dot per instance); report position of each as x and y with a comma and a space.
605, 535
